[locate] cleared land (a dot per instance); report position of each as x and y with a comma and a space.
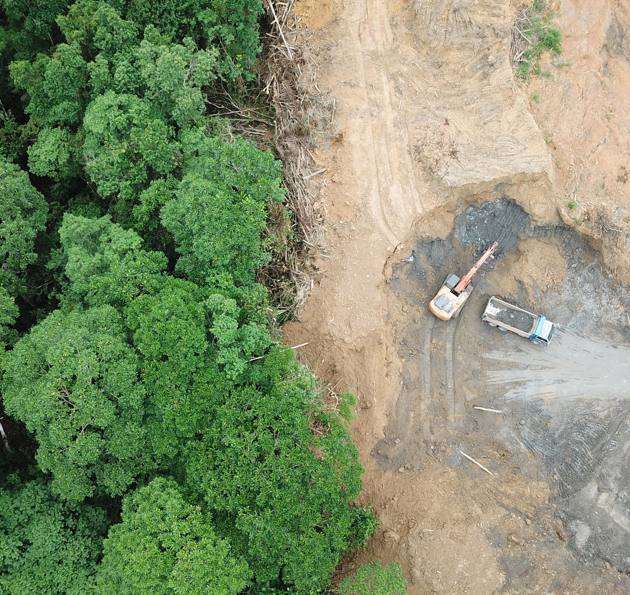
439, 152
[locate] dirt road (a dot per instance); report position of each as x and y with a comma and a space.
438, 153
580, 368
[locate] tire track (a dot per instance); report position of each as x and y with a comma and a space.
417, 206
425, 400
360, 17
407, 185
450, 380
394, 197
441, 411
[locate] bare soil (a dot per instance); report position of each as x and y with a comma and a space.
438, 152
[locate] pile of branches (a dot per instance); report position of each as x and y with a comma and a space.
300, 117
521, 41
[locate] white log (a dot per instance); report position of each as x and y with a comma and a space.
476, 462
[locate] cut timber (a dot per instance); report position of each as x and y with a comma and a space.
476, 462
486, 409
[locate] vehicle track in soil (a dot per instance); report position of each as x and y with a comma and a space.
394, 197
583, 366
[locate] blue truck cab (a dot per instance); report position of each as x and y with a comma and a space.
544, 331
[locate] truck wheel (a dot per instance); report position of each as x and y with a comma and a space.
492, 325
503, 330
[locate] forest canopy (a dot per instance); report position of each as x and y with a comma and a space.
157, 437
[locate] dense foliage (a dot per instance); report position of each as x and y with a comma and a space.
375, 579
165, 545
47, 545
22, 217
160, 439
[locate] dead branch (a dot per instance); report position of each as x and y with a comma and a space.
275, 18
4, 436
476, 462
64, 390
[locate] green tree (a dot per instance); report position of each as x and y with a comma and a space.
23, 213
91, 247
179, 371
28, 24
54, 85
374, 579
103, 263
165, 546
79, 24
218, 215
56, 153
125, 146
236, 339
171, 76
74, 382
229, 25
278, 492
47, 546
8, 314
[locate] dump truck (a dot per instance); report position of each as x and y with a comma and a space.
454, 292
507, 317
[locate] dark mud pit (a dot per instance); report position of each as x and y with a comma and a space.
564, 410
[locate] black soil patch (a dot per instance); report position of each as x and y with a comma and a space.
515, 318
502, 221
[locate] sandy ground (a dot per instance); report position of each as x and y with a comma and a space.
430, 121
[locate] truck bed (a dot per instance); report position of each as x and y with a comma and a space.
511, 316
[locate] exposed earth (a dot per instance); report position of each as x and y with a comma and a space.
438, 151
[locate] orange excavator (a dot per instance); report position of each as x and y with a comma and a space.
453, 294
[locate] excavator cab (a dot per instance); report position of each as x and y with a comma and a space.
446, 304
452, 281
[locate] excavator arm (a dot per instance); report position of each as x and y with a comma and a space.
466, 279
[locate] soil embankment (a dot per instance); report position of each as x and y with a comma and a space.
439, 152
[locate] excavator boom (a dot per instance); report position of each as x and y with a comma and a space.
465, 280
